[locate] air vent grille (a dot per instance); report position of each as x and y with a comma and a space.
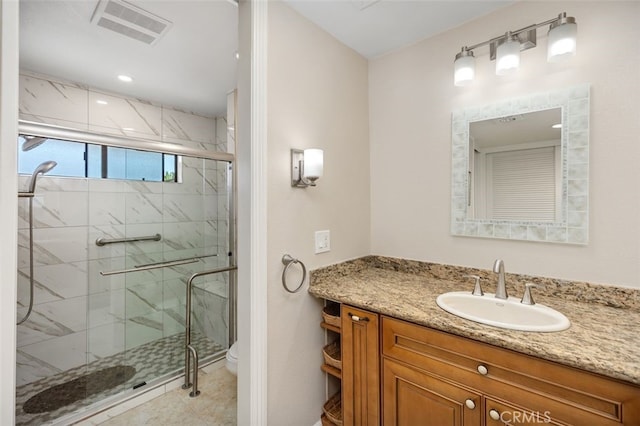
130, 21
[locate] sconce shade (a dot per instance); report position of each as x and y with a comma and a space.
508, 56
313, 164
464, 68
562, 39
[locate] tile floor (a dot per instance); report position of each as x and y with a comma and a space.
150, 360
215, 406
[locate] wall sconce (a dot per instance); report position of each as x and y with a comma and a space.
505, 49
306, 167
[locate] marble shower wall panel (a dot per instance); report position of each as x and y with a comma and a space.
222, 127
211, 315
187, 127
124, 116
47, 100
51, 102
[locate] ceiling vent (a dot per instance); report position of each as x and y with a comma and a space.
129, 20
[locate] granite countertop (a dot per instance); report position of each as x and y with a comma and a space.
605, 320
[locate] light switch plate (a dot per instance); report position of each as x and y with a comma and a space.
323, 241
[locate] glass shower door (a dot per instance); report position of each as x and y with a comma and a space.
139, 316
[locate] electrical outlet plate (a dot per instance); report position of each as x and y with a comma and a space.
323, 241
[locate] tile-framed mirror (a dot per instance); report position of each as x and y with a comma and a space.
520, 168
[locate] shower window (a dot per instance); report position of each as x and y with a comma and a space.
95, 161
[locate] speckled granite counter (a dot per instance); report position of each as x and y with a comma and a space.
605, 321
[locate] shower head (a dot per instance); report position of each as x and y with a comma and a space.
40, 170
32, 142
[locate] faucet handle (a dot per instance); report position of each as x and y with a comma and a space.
477, 290
527, 298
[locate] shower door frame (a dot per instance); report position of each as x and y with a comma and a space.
70, 134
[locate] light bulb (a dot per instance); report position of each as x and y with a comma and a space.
508, 56
464, 68
313, 164
562, 39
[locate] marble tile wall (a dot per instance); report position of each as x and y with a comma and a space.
51, 101
80, 316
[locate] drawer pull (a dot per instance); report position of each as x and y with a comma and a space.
357, 318
483, 370
470, 404
494, 414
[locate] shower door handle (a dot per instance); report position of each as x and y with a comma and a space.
149, 267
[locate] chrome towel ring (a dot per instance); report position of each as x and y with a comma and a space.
287, 261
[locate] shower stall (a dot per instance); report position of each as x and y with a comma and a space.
107, 241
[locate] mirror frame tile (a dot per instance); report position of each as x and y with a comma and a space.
574, 226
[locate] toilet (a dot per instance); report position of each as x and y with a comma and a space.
232, 359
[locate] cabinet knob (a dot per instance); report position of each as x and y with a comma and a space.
470, 404
357, 318
483, 370
494, 414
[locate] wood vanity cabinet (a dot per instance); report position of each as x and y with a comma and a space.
420, 376
428, 371
361, 379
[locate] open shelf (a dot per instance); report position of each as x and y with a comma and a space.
330, 327
331, 370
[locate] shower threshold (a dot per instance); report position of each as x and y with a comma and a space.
155, 362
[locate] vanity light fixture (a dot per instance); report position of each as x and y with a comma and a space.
306, 167
505, 49
508, 55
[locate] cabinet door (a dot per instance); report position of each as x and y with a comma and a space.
360, 368
413, 397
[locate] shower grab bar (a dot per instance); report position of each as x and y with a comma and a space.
189, 350
103, 241
147, 268
177, 260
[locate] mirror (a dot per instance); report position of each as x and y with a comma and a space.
520, 168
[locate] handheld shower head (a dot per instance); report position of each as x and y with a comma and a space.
40, 170
32, 142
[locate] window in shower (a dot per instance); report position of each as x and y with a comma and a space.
76, 159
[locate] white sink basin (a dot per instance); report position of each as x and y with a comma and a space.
508, 313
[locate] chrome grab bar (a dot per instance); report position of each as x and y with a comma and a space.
152, 266
188, 348
103, 241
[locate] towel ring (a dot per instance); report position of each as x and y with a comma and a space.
287, 261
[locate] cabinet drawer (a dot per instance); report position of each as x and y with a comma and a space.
573, 396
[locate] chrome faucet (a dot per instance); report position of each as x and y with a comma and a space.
501, 289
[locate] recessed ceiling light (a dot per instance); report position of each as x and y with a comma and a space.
101, 102
237, 55
557, 126
125, 78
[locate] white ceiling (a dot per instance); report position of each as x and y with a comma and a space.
193, 66
376, 27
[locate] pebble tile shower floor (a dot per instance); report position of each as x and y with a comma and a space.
151, 360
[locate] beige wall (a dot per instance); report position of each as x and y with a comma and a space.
317, 97
411, 96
